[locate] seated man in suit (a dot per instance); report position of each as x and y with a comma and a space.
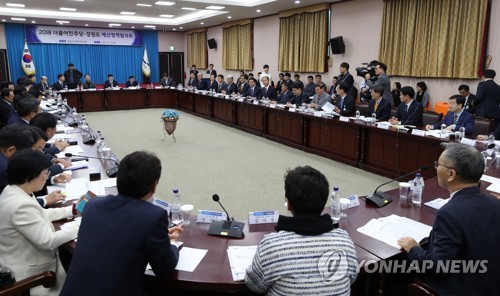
319, 80
288, 80
193, 71
131, 82
320, 98
379, 105
456, 117
281, 77
231, 87
285, 94
243, 85
43, 85
221, 84
267, 91
47, 122
299, 97
111, 82
469, 98
288, 261
88, 84
119, 235
6, 106
309, 88
462, 231
193, 82
344, 104
211, 70
296, 79
212, 85
167, 81
26, 109
202, 84
410, 112
253, 88
60, 84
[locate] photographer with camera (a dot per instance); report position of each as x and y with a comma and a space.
381, 79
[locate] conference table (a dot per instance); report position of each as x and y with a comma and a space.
213, 273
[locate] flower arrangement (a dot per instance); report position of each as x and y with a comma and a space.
170, 115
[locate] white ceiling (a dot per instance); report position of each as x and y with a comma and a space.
95, 13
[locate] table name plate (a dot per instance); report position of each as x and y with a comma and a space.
263, 217
209, 216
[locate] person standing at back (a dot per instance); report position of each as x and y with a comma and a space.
119, 235
72, 76
487, 100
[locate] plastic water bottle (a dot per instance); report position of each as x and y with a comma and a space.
491, 139
418, 188
176, 207
98, 140
357, 115
443, 127
462, 132
374, 117
102, 146
85, 127
336, 212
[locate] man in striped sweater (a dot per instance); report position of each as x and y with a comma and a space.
307, 256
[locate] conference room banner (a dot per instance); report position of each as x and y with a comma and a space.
82, 36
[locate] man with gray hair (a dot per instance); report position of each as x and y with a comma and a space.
463, 233
231, 87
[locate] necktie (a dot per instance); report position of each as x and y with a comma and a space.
406, 108
265, 92
251, 92
376, 106
455, 119
341, 103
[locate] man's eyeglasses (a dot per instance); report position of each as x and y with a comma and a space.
437, 164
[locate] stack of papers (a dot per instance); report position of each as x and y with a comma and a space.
438, 134
75, 165
495, 182
391, 228
437, 203
240, 258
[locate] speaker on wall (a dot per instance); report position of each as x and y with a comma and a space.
212, 44
337, 45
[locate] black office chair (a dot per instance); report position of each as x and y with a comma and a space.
22, 287
430, 117
420, 289
482, 126
363, 108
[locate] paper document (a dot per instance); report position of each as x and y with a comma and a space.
75, 150
61, 137
495, 187
490, 179
76, 222
111, 182
438, 134
240, 258
391, 228
97, 188
437, 203
75, 165
76, 188
327, 107
189, 258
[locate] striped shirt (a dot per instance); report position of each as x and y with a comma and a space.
287, 263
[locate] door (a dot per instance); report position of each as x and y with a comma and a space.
172, 63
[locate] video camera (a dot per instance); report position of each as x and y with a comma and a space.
367, 68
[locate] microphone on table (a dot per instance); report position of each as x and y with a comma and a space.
88, 137
228, 228
111, 172
381, 199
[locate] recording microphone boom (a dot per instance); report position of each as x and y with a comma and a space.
381, 199
111, 172
226, 228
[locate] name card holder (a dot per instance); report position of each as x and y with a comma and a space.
263, 217
383, 126
205, 216
353, 201
162, 204
344, 118
255, 102
318, 113
272, 106
469, 142
292, 109
241, 99
418, 132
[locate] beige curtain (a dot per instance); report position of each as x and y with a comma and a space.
303, 42
197, 49
237, 47
433, 38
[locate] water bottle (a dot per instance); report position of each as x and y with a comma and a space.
443, 127
491, 140
335, 205
374, 117
98, 140
176, 207
102, 146
418, 188
357, 115
462, 133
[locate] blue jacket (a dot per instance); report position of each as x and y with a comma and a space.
466, 120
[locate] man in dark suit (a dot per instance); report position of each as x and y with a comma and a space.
6, 106
243, 85
131, 82
288, 80
469, 98
166, 81
221, 84
211, 70
267, 91
202, 84
410, 112
296, 79
309, 88
299, 96
26, 109
193, 71
379, 104
119, 235
111, 82
88, 84
344, 104
280, 82
487, 100
72, 76
382, 80
456, 117
192, 80
463, 231
253, 88
231, 87
43, 85
345, 76
213, 85
285, 94
60, 84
